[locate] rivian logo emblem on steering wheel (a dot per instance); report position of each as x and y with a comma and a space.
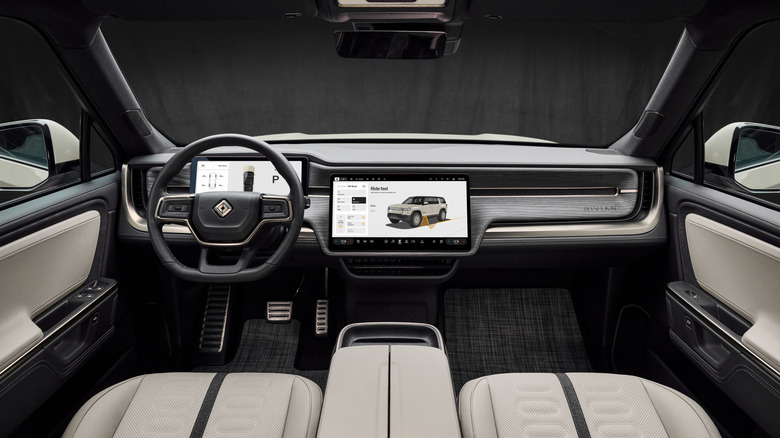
223, 208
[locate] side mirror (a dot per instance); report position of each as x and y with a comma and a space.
425, 203
31, 151
750, 153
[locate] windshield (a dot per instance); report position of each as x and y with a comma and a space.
570, 83
409, 201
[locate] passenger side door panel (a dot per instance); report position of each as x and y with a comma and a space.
725, 309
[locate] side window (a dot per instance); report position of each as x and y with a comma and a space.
741, 120
40, 121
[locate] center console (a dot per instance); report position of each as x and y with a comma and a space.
389, 380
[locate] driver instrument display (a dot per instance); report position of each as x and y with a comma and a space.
399, 212
219, 174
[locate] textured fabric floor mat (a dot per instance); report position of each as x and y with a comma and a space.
490, 331
268, 348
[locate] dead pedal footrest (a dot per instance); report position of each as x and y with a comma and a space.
212, 333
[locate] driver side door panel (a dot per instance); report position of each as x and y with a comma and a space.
53, 315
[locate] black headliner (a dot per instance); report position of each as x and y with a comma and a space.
72, 28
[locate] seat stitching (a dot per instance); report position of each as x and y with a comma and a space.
653, 404
107, 390
492, 411
90, 408
471, 408
289, 402
311, 399
128, 405
696, 411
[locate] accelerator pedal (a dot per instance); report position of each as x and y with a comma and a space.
321, 322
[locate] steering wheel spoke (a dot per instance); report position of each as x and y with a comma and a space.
205, 267
276, 209
174, 209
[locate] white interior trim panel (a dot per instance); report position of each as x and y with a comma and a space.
743, 272
38, 270
626, 228
422, 400
357, 395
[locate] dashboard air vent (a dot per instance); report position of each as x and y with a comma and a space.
647, 191
399, 267
179, 184
138, 190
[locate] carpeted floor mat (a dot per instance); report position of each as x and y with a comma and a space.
268, 348
490, 331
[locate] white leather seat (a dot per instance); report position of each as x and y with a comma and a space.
202, 404
578, 404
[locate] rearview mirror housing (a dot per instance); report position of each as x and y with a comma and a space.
380, 44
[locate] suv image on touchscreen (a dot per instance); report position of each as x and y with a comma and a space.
399, 213
415, 208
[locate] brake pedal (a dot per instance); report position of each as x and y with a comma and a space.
279, 311
212, 333
321, 322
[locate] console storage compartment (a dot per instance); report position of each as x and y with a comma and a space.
389, 386
395, 333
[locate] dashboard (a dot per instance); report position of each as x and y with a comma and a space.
422, 202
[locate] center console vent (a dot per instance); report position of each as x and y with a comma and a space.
438, 267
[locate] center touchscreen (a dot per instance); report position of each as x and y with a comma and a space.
399, 213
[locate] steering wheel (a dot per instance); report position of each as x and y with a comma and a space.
225, 220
